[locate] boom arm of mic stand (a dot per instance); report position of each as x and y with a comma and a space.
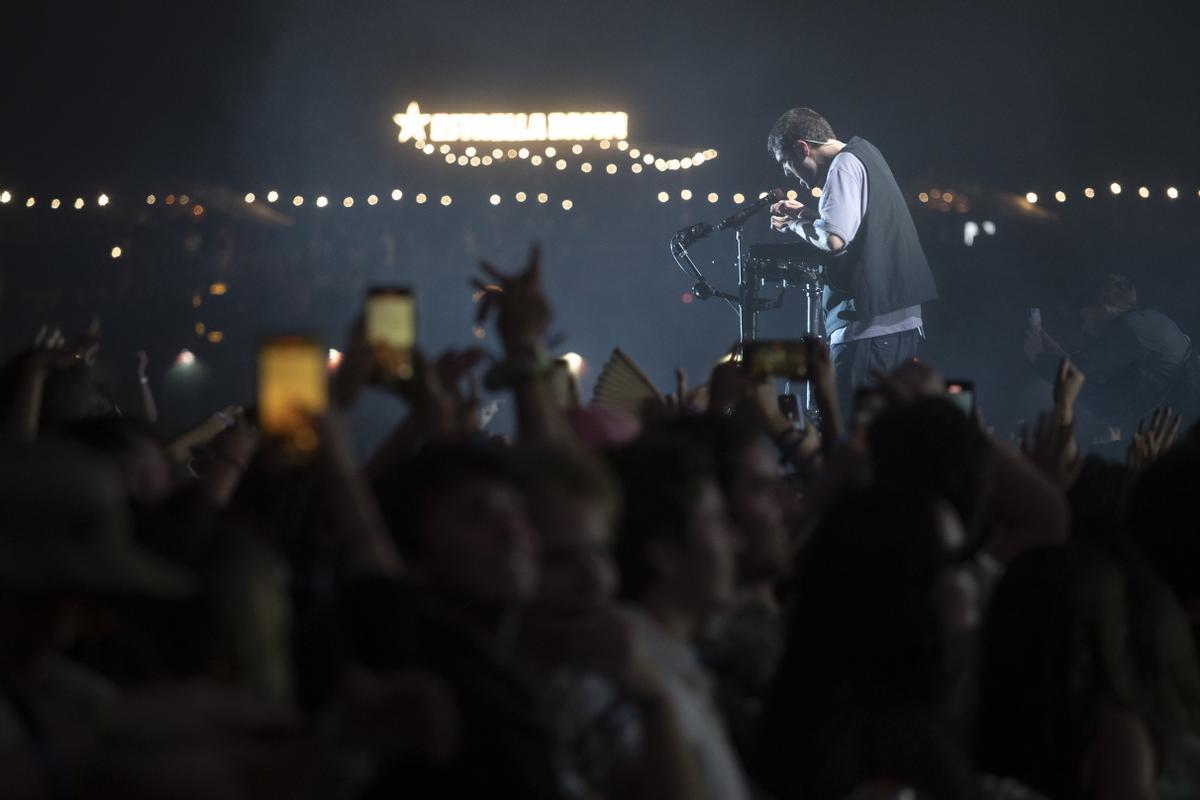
678, 251
702, 289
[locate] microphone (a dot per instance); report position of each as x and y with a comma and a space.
685, 236
738, 218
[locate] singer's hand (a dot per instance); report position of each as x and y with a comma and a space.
788, 209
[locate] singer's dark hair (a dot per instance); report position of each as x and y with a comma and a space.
798, 123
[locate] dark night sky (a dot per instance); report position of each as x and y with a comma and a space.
236, 92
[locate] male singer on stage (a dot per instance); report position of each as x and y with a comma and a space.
878, 277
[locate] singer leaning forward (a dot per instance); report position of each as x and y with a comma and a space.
877, 277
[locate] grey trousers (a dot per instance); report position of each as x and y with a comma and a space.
855, 362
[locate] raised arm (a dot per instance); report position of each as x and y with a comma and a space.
522, 313
149, 407
50, 354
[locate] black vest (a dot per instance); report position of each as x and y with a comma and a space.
884, 268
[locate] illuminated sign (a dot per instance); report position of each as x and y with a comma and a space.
535, 127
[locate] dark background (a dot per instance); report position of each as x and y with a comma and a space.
219, 98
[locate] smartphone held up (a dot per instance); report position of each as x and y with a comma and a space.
776, 358
292, 389
390, 327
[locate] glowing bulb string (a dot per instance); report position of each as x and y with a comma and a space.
948, 197
481, 156
274, 197
936, 198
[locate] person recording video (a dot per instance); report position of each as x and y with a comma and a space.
1135, 359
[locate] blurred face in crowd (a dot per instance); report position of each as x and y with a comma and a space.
1094, 319
478, 548
578, 573
698, 572
756, 503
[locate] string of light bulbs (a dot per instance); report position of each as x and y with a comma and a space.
942, 199
472, 156
737, 197
1115, 189
274, 196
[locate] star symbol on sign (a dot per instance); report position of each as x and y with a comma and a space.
412, 122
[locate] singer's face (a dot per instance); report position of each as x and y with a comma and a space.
796, 165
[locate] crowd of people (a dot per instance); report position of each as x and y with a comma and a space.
709, 600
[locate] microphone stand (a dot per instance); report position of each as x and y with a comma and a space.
702, 288
746, 300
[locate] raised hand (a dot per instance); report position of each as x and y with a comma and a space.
180, 448
356, 369
1067, 383
51, 349
1034, 345
230, 452
149, 406
238, 440
1054, 450
672, 405
1155, 435
824, 383
453, 368
522, 310
87, 346
431, 400
762, 401
454, 365
1038, 342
